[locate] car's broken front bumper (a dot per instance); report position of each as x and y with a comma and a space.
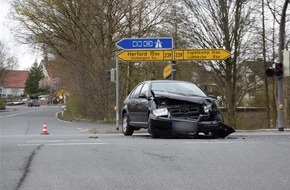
177, 127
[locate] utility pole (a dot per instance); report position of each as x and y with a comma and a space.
281, 106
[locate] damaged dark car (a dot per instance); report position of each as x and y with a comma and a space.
169, 108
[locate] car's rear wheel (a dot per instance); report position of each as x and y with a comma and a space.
127, 129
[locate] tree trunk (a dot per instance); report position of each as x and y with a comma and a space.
265, 67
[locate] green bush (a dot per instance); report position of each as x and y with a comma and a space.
2, 104
72, 111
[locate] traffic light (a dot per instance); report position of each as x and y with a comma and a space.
111, 74
270, 72
108, 74
279, 69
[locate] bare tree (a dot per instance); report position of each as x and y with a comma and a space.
265, 66
81, 36
276, 11
7, 61
223, 24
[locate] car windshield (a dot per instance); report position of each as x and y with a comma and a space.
178, 87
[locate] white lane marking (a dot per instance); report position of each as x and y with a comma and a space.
29, 144
48, 141
68, 144
84, 140
56, 141
11, 115
62, 144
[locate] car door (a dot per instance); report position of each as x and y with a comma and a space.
133, 104
142, 105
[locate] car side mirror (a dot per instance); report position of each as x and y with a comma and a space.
212, 96
143, 96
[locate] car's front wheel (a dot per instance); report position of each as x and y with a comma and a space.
127, 129
151, 130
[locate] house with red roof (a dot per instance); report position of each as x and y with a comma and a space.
13, 83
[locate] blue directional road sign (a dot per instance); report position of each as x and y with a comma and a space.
145, 43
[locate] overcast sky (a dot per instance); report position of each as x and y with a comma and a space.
23, 54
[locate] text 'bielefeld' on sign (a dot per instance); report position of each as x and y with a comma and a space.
145, 43
145, 55
201, 54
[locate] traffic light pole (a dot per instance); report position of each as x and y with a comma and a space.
280, 106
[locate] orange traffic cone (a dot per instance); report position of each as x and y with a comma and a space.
44, 129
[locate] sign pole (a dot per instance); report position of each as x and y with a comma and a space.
117, 93
173, 63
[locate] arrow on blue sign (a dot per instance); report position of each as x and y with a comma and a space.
145, 43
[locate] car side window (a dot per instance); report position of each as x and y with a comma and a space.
136, 92
144, 89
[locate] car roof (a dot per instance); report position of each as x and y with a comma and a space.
166, 81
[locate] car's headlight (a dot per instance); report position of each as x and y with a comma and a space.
207, 108
160, 112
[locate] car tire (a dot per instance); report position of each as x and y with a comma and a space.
151, 131
127, 129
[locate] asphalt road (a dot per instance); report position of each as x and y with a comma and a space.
71, 157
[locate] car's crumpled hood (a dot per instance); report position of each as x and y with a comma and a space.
218, 128
182, 97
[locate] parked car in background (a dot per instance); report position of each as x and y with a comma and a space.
172, 108
33, 103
